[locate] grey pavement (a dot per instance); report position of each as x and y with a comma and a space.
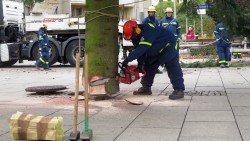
216, 106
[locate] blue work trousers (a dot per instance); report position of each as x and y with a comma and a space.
224, 54
174, 73
43, 60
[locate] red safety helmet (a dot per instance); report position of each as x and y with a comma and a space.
128, 29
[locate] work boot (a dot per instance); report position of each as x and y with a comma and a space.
37, 67
158, 71
47, 69
222, 65
143, 91
239, 56
177, 94
226, 65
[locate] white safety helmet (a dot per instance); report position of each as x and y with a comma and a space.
151, 9
43, 26
169, 10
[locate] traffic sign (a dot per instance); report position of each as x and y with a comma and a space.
201, 6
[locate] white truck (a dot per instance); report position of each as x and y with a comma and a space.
18, 41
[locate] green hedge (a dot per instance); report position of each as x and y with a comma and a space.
203, 51
197, 64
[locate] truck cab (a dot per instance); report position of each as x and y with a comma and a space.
11, 17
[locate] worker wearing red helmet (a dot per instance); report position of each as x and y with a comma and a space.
156, 46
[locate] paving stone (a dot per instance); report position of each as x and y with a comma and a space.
4, 125
167, 117
211, 129
239, 99
96, 137
237, 91
6, 137
208, 103
212, 88
210, 116
243, 122
224, 138
149, 134
209, 81
241, 111
157, 119
245, 134
165, 101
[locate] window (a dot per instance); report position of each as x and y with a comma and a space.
78, 11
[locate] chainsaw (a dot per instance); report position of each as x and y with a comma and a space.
130, 74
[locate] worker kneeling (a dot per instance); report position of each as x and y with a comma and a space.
154, 46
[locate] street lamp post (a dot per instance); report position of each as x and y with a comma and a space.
174, 8
141, 11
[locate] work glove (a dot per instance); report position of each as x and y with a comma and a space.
125, 63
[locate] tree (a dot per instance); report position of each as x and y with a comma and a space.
182, 13
233, 13
101, 43
30, 3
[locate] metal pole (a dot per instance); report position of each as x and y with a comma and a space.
141, 11
201, 26
194, 27
186, 23
174, 8
1, 18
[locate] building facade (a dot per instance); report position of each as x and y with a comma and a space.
128, 9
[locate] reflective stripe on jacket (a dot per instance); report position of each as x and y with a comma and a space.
172, 25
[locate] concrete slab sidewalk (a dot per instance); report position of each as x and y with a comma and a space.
216, 106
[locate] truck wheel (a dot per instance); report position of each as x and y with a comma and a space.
8, 63
71, 51
53, 54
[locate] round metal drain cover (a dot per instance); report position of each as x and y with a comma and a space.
45, 89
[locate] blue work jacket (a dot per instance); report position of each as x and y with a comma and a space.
221, 33
151, 20
155, 43
172, 25
43, 39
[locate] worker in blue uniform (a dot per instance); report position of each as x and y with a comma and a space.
171, 24
154, 46
151, 19
222, 45
43, 40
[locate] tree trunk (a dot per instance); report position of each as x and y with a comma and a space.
101, 43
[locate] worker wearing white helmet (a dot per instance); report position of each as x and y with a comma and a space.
43, 26
43, 41
151, 17
171, 24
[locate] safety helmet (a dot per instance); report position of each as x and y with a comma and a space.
168, 10
43, 26
128, 29
151, 8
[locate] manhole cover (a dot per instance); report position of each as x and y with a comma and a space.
45, 89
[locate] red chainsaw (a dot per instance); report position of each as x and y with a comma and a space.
130, 74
